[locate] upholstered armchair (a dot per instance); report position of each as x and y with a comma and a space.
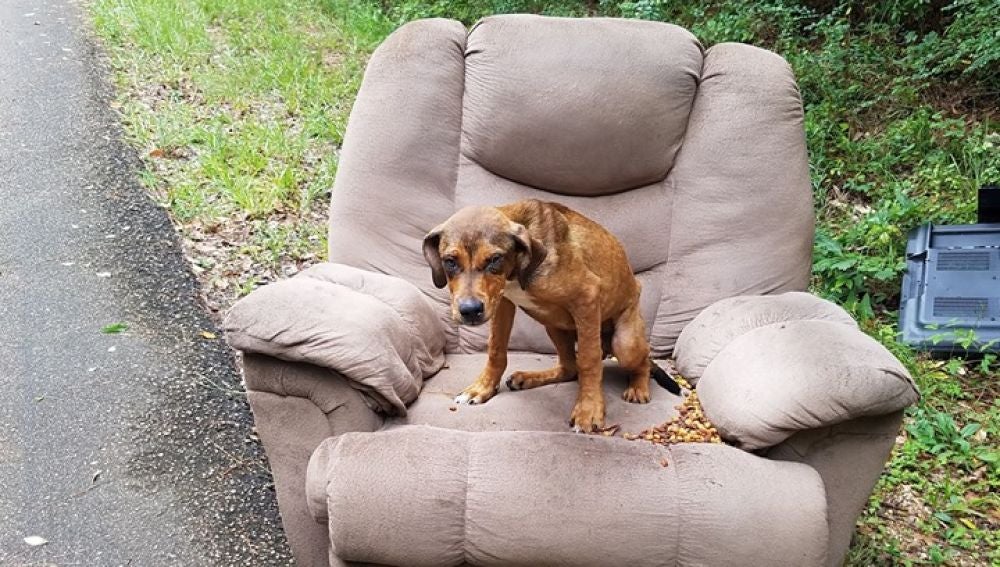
695, 159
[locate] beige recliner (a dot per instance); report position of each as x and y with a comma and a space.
696, 160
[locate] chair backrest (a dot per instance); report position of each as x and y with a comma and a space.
694, 158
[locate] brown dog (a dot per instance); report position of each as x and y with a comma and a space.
565, 271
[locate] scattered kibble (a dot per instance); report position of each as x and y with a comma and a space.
689, 425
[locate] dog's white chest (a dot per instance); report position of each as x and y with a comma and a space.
518, 296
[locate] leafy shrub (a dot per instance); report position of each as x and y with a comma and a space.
967, 50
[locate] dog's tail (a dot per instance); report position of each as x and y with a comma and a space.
663, 379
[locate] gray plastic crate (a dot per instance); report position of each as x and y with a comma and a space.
951, 288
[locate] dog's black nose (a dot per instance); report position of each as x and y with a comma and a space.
471, 310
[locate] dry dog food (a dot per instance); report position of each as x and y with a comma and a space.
689, 426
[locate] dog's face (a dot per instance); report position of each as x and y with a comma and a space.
475, 253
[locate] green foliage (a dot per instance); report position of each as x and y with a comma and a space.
114, 328
968, 48
935, 433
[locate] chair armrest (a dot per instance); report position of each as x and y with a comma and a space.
721, 322
377, 331
295, 407
849, 457
782, 364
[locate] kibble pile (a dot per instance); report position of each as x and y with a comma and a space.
689, 426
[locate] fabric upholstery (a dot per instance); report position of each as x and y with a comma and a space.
339, 317
296, 406
397, 170
540, 498
539, 409
611, 120
742, 221
717, 325
697, 163
785, 377
849, 457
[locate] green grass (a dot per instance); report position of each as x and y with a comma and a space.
257, 91
239, 108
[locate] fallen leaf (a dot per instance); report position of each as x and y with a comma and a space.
35, 541
157, 153
114, 328
610, 430
663, 462
208, 335
39, 398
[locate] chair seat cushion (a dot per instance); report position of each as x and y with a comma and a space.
546, 408
417, 495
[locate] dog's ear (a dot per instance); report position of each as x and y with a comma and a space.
531, 253
433, 255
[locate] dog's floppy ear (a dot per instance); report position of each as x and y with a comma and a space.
433, 255
531, 253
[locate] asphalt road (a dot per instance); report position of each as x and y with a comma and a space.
118, 449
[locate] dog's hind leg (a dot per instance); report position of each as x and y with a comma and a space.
631, 348
565, 343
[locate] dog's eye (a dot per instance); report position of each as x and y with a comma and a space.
495, 263
450, 265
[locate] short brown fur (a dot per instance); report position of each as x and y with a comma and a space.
571, 275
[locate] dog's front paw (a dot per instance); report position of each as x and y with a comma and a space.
475, 394
587, 416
